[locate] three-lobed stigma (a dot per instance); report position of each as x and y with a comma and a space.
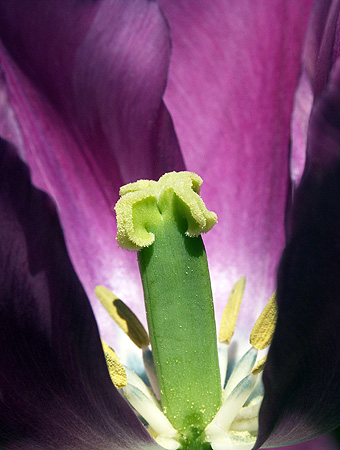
143, 203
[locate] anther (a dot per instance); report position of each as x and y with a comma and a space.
259, 366
123, 316
231, 311
262, 333
115, 368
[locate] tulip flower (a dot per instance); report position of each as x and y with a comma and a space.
98, 94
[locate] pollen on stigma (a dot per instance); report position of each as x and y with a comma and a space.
189, 401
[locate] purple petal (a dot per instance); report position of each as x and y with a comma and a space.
55, 391
302, 373
320, 51
318, 54
82, 88
326, 442
233, 73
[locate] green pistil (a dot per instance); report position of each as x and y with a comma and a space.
164, 220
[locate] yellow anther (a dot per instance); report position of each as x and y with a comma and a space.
230, 312
115, 368
123, 316
259, 366
262, 333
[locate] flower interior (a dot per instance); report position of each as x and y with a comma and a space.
192, 400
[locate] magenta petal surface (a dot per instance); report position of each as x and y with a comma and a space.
55, 391
81, 96
232, 77
301, 376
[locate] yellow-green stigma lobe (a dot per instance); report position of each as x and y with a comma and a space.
143, 202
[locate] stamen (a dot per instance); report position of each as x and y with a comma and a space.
151, 371
223, 362
123, 316
116, 370
149, 411
262, 333
142, 399
259, 366
169, 444
242, 369
231, 406
247, 417
134, 380
231, 311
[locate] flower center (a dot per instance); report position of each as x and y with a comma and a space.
235, 424
192, 401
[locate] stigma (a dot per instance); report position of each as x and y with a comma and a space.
191, 400
235, 424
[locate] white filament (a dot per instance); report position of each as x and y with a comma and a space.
223, 362
134, 380
149, 411
242, 369
247, 418
169, 444
231, 405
